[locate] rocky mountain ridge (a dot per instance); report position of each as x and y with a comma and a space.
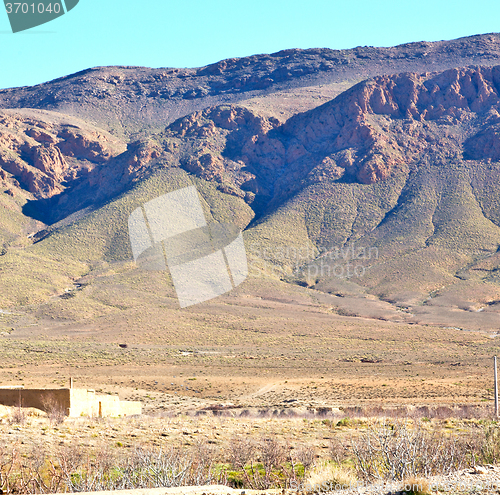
135, 100
376, 128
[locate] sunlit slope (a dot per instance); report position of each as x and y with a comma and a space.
51, 265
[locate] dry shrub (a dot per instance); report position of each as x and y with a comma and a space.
329, 476
17, 416
489, 446
241, 451
203, 458
81, 471
6, 466
338, 450
55, 411
33, 473
273, 453
263, 463
273, 456
241, 454
396, 451
306, 455
143, 468
393, 451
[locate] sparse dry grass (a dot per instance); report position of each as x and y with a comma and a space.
253, 453
288, 338
327, 476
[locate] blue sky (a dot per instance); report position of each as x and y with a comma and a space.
193, 33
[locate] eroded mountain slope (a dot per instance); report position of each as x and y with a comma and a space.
405, 167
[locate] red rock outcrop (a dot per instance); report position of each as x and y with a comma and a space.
123, 169
36, 182
50, 161
224, 144
484, 145
208, 167
375, 129
352, 121
42, 152
431, 96
88, 146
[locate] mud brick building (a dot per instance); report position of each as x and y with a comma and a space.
73, 402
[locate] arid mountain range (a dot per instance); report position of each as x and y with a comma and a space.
368, 177
136, 100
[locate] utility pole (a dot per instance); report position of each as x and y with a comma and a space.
496, 387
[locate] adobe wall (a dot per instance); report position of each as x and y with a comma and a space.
42, 399
81, 402
87, 403
74, 402
130, 408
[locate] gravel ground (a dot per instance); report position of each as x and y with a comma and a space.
484, 480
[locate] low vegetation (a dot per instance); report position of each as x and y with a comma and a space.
408, 451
